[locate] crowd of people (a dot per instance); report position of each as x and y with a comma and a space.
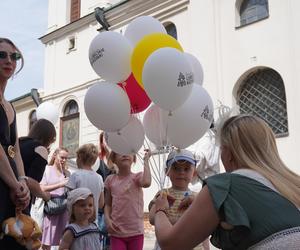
253, 205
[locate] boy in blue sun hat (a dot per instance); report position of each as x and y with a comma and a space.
181, 169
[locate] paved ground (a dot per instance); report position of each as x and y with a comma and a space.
149, 241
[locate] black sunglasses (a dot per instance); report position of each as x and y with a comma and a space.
13, 56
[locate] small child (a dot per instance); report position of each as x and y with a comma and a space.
180, 168
124, 203
85, 176
82, 233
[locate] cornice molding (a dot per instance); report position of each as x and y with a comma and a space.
23, 103
69, 91
122, 14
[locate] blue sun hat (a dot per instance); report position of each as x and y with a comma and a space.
181, 155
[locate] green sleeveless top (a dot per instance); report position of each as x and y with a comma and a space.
254, 210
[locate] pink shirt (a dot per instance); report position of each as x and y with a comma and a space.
52, 176
127, 203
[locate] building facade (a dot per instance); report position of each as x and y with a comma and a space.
248, 50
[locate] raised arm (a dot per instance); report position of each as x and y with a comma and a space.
195, 225
146, 178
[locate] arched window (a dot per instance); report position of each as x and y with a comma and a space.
32, 118
171, 29
262, 94
71, 108
70, 127
253, 10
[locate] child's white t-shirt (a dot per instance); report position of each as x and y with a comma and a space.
88, 179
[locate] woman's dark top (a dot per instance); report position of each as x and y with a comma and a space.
254, 210
103, 170
7, 207
34, 163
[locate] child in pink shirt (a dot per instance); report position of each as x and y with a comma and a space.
124, 203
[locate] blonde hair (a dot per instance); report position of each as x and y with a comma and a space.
55, 153
72, 218
253, 145
6, 40
87, 154
111, 162
53, 157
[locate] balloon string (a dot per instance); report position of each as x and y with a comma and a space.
126, 141
154, 168
123, 84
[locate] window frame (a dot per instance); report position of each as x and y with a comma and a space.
67, 118
173, 26
246, 81
239, 6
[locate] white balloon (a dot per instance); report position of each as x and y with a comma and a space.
196, 67
167, 78
47, 110
189, 122
107, 106
128, 140
155, 128
110, 55
142, 26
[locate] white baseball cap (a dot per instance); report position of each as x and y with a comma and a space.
76, 195
181, 155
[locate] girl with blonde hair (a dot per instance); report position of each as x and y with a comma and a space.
124, 202
255, 205
82, 233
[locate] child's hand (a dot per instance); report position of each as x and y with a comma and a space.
65, 181
111, 227
161, 201
147, 155
171, 200
185, 202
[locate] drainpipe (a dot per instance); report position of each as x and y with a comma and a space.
35, 97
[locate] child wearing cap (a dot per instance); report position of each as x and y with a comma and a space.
82, 232
180, 168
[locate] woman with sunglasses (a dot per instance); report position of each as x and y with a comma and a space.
14, 193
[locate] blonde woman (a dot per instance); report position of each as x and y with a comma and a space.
54, 180
255, 205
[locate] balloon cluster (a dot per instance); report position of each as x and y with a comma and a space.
142, 66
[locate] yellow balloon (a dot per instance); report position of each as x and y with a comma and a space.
145, 47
